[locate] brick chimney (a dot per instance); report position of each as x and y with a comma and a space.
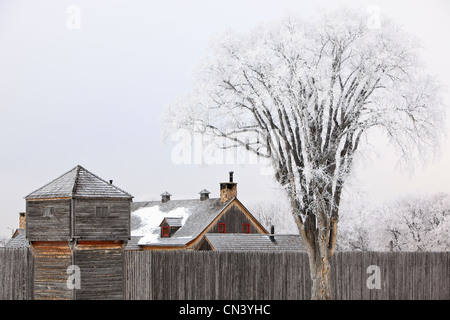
165, 197
228, 190
22, 220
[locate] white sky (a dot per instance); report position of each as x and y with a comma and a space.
93, 96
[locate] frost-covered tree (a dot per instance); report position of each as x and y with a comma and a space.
417, 223
304, 94
357, 222
274, 211
414, 222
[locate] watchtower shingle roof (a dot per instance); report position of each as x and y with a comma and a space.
78, 182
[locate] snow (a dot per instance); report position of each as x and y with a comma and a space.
151, 218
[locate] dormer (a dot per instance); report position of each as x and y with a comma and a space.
169, 226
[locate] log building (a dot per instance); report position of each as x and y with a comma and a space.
80, 220
183, 224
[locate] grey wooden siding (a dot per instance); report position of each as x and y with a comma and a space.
42, 227
234, 218
101, 274
114, 227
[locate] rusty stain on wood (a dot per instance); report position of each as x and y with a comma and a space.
98, 245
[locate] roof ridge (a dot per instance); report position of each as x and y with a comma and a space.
97, 177
172, 200
59, 177
75, 184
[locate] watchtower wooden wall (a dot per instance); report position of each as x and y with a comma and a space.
66, 219
113, 223
51, 260
78, 220
46, 224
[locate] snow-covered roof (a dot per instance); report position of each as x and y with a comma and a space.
194, 216
78, 182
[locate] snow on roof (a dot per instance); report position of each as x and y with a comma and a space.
150, 219
195, 215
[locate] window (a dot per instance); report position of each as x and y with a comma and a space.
49, 212
246, 228
101, 212
221, 227
165, 232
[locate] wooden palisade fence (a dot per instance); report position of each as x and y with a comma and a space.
284, 275
190, 275
16, 274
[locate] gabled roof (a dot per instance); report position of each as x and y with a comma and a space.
18, 240
78, 182
173, 222
195, 216
254, 242
132, 244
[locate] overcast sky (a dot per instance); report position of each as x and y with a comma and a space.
90, 91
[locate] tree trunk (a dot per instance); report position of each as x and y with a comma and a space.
318, 233
319, 253
321, 278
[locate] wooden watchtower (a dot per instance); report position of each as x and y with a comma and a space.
78, 220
